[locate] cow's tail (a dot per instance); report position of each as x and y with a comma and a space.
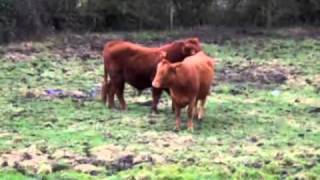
105, 84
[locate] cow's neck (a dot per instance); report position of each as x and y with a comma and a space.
179, 90
177, 83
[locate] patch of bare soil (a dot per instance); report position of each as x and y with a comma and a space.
27, 160
315, 82
25, 48
20, 51
256, 74
49, 94
33, 161
89, 46
300, 32
159, 149
163, 147
219, 35
68, 46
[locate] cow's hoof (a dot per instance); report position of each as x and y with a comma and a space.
154, 111
124, 110
110, 107
190, 129
114, 110
176, 129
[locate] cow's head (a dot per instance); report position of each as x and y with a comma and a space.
190, 46
165, 71
181, 49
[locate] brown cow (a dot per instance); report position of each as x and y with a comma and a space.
189, 81
135, 64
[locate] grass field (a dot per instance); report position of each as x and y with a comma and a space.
262, 118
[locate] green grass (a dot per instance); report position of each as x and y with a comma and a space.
251, 135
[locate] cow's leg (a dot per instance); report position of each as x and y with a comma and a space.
156, 94
178, 119
172, 104
191, 111
167, 91
111, 91
104, 88
201, 109
119, 92
104, 91
196, 108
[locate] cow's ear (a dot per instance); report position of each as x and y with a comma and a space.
175, 67
184, 49
195, 39
193, 52
163, 54
188, 50
164, 61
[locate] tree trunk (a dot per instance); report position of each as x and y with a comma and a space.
171, 15
269, 14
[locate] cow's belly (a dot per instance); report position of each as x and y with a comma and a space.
139, 76
138, 81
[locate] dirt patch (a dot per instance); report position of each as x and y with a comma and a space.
26, 48
49, 94
16, 56
33, 161
166, 145
68, 46
29, 160
169, 139
90, 45
219, 35
257, 74
112, 158
81, 52
20, 51
300, 32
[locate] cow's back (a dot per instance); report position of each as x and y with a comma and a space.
204, 66
131, 62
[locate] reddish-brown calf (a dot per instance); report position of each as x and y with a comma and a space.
135, 64
189, 82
